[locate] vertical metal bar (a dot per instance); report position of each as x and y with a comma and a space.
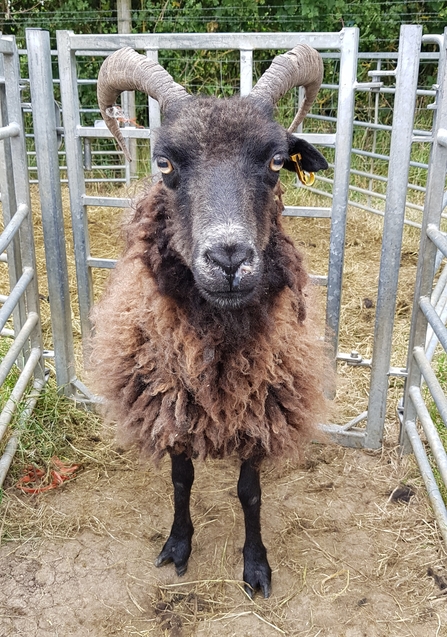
44, 121
154, 114
21, 187
246, 71
342, 164
427, 253
76, 181
9, 206
400, 151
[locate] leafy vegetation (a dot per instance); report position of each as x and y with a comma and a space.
379, 21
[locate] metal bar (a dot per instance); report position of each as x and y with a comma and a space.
348, 70
19, 342
11, 130
41, 85
427, 474
15, 295
400, 150
430, 314
13, 227
246, 71
101, 263
214, 41
433, 385
75, 173
438, 238
115, 202
12, 444
19, 388
430, 431
302, 211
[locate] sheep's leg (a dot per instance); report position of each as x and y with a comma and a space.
257, 571
178, 545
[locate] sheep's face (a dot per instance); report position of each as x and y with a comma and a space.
220, 163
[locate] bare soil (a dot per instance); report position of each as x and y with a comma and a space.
347, 560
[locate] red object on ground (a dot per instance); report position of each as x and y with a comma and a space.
33, 475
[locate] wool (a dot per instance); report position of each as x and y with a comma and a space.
180, 375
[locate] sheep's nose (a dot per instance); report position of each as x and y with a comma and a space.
231, 259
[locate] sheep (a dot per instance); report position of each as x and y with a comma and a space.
201, 344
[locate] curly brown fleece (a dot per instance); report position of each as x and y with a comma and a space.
180, 375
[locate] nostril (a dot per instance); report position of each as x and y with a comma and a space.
229, 258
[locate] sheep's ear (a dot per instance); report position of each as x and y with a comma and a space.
310, 158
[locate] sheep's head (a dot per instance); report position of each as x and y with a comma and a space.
220, 162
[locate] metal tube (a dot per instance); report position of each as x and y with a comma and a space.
430, 314
432, 382
404, 108
16, 395
11, 130
41, 85
19, 342
12, 444
13, 227
431, 434
15, 295
429, 479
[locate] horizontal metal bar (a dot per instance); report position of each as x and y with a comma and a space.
322, 139
427, 475
430, 431
438, 238
303, 211
95, 44
128, 132
434, 320
15, 349
101, 263
19, 388
11, 130
318, 279
350, 438
13, 226
113, 202
14, 297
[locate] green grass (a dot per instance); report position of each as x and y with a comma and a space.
57, 427
440, 368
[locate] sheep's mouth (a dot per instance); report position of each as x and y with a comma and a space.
228, 299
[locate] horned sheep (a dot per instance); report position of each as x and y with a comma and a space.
202, 346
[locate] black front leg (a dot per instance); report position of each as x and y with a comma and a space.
257, 571
178, 545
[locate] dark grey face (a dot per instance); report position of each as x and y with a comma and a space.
220, 161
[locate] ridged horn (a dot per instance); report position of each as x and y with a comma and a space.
127, 70
302, 66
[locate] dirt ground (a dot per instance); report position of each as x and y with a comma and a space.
347, 560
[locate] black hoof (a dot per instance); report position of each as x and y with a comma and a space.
175, 550
257, 572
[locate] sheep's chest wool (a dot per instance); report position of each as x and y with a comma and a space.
178, 375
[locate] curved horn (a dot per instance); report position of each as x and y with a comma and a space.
302, 66
127, 70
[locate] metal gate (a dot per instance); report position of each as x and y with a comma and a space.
71, 46
19, 314
428, 320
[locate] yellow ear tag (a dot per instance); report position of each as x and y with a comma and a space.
305, 178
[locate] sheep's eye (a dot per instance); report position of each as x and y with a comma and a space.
276, 163
164, 165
